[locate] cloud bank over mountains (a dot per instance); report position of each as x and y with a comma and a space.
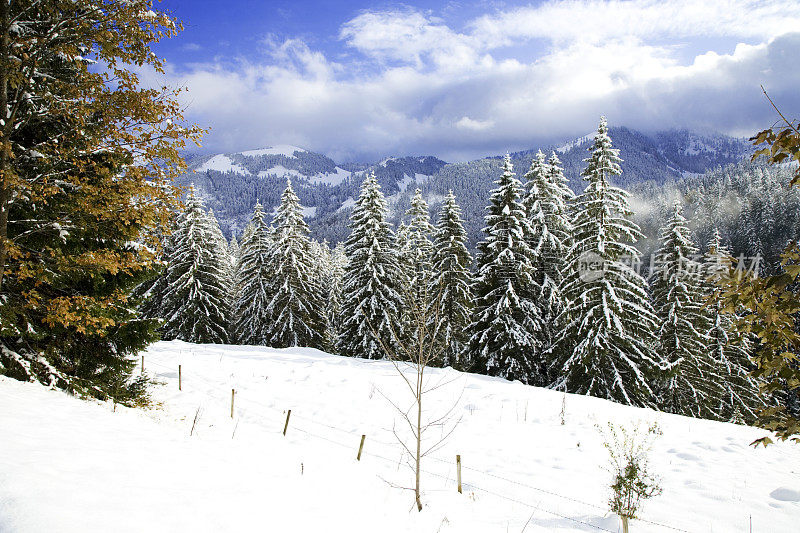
406, 81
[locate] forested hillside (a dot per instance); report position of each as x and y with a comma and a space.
751, 204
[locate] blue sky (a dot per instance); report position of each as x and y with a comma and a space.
463, 79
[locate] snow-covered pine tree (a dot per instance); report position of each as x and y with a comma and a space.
405, 261
420, 249
195, 303
546, 203
450, 305
730, 349
371, 303
416, 253
295, 313
321, 261
506, 324
219, 238
151, 292
253, 273
233, 249
223, 256
692, 387
333, 307
605, 348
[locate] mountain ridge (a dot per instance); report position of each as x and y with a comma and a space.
230, 183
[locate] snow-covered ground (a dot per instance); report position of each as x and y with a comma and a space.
70, 465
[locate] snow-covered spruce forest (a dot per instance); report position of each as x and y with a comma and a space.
555, 296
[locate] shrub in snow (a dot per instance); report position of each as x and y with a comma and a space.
631, 482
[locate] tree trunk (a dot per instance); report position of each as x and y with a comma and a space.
420, 370
4, 205
5, 147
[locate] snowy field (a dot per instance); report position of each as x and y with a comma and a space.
73, 466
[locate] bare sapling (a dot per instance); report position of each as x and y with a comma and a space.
632, 482
411, 353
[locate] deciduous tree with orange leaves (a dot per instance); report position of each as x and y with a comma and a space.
87, 157
769, 307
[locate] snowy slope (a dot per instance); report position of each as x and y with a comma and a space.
69, 465
278, 161
575, 143
280, 149
221, 163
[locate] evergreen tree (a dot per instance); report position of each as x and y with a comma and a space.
728, 347
253, 273
322, 262
150, 293
605, 348
195, 303
233, 249
405, 257
506, 324
371, 303
692, 387
420, 249
295, 311
546, 204
451, 284
223, 256
333, 307
84, 190
416, 252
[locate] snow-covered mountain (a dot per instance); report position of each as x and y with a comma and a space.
277, 161
230, 183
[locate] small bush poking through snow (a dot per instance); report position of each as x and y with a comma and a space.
632, 481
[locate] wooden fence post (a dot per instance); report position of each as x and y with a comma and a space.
458, 472
360, 447
233, 393
142, 364
179, 377
286, 426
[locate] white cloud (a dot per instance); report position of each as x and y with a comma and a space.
474, 125
598, 20
408, 36
418, 86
